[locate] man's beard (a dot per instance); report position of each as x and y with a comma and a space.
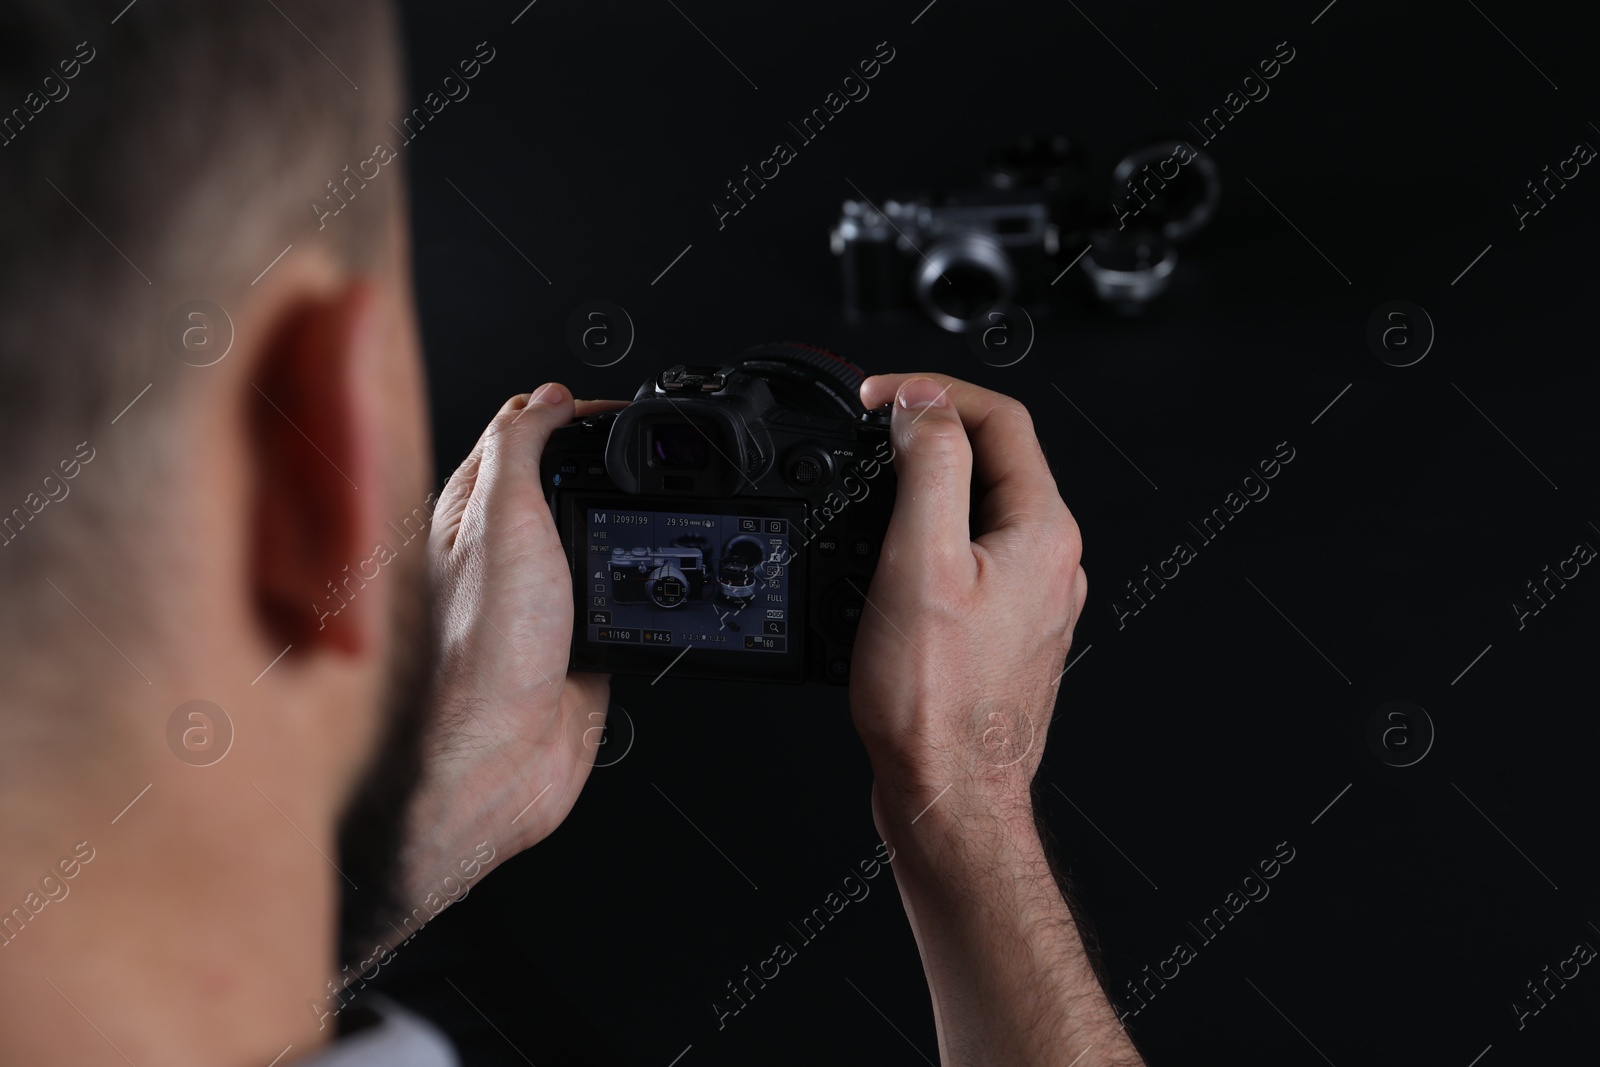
373, 826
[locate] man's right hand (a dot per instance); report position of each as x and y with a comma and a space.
955, 674
969, 618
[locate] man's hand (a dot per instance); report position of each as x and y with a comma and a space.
955, 674
961, 645
514, 735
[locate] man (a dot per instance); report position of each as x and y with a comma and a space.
237, 683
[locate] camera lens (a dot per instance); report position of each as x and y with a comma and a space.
1171, 185
1129, 268
746, 548
667, 586
962, 277
736, 579
808, 379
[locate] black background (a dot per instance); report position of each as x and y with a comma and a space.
1210, 727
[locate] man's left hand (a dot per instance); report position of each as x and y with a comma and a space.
514, 735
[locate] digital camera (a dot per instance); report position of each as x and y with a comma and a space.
726, 524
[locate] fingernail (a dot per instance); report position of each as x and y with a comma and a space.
922, 393
549, 393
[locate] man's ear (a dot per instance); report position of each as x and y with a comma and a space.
314, 439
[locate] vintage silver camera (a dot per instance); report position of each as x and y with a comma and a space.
960, 256
955, 257
665, 577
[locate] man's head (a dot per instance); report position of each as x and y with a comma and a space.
206, 317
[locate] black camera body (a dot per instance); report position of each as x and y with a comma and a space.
726, 524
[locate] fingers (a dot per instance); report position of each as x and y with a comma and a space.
506, 456
517, 435
453, 498
933, 473
1022, 492
595, 407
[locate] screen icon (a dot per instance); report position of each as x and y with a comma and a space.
762, 643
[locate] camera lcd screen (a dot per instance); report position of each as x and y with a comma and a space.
681, 446
674, 579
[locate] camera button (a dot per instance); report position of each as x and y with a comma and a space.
842, 606
827, 546
809, 469
861, 547
839, 668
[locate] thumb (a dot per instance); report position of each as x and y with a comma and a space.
516, 438
933, 475
503, 467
